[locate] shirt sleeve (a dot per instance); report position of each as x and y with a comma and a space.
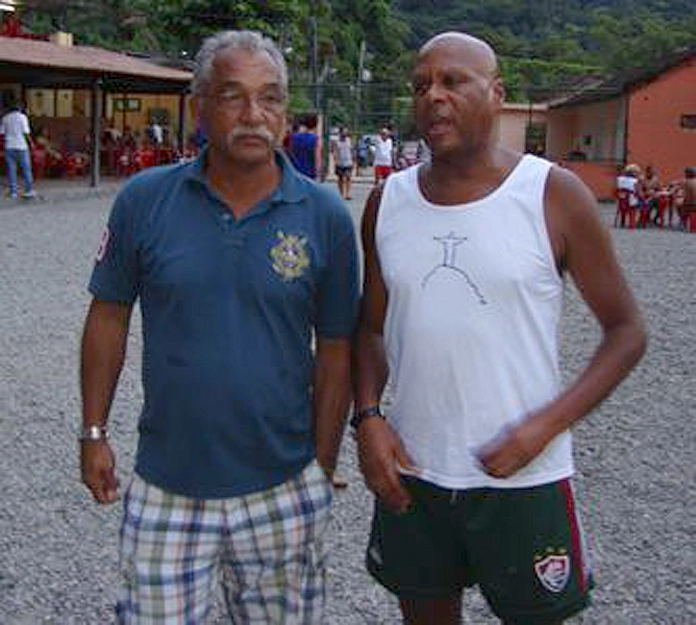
116, 272
338, 293
26, 129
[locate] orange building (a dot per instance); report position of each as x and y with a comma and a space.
522, 126
648, 118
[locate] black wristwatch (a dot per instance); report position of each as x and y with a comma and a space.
360, 415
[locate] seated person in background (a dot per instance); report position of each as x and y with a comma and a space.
129, 139
629, 180
54, 164
688, 206
676, 194
111, 133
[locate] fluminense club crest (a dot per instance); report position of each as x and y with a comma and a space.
289, 255
553, 570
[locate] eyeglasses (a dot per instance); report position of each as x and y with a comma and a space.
271, 99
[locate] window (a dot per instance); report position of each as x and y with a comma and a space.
688, 121
130, 105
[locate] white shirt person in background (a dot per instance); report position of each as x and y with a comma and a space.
384, 155
14, 126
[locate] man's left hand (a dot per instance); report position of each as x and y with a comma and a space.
515, 447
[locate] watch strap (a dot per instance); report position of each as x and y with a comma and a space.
365, 413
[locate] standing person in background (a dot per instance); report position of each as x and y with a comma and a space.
305, 147
157, 133
238, 262
651, 188
689, 187
688, 205
628, 183
651, 183
630, 180
361, 153
343, 157
17, 132
384, 155
463, 292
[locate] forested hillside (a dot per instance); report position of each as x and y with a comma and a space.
544, 44
571, 35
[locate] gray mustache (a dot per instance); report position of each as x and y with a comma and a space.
247, 131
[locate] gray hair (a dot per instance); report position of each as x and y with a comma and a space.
247, 40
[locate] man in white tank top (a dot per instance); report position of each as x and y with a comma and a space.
464, 265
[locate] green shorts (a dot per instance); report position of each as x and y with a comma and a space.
523, 547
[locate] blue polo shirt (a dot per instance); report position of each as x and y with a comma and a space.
228, 309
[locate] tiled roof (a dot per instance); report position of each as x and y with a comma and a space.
620, 83
32, 55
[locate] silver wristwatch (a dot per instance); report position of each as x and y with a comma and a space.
93, 433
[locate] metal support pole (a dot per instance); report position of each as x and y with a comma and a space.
124, 104
181, 138
95, 146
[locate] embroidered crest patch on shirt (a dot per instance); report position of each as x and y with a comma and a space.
289, 256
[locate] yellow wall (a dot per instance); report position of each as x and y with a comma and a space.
53, 108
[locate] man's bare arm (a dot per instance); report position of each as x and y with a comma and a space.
582, 246
371, 371
331, 399
380, 449
103, 352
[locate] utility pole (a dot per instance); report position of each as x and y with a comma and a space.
361, 69
315, 62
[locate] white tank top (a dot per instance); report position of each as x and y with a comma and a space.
471, 331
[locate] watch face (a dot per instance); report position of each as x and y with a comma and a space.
93, 433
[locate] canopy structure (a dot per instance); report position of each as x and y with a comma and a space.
44, 64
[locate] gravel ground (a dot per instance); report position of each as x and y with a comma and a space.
635, 454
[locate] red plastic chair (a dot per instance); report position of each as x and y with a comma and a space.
663, 202
124, 163
39, 161
689, 220
625, 213
75, 165
143, 158
164, 155
643, 213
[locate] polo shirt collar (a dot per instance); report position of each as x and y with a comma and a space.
291, 189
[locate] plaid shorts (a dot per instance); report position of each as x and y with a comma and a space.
266, 548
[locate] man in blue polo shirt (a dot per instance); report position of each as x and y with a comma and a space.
237, 262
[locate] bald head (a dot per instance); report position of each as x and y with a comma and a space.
457, 95
472, 51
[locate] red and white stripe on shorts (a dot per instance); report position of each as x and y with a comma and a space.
579, 555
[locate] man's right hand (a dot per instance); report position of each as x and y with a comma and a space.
99, 470
381, 454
